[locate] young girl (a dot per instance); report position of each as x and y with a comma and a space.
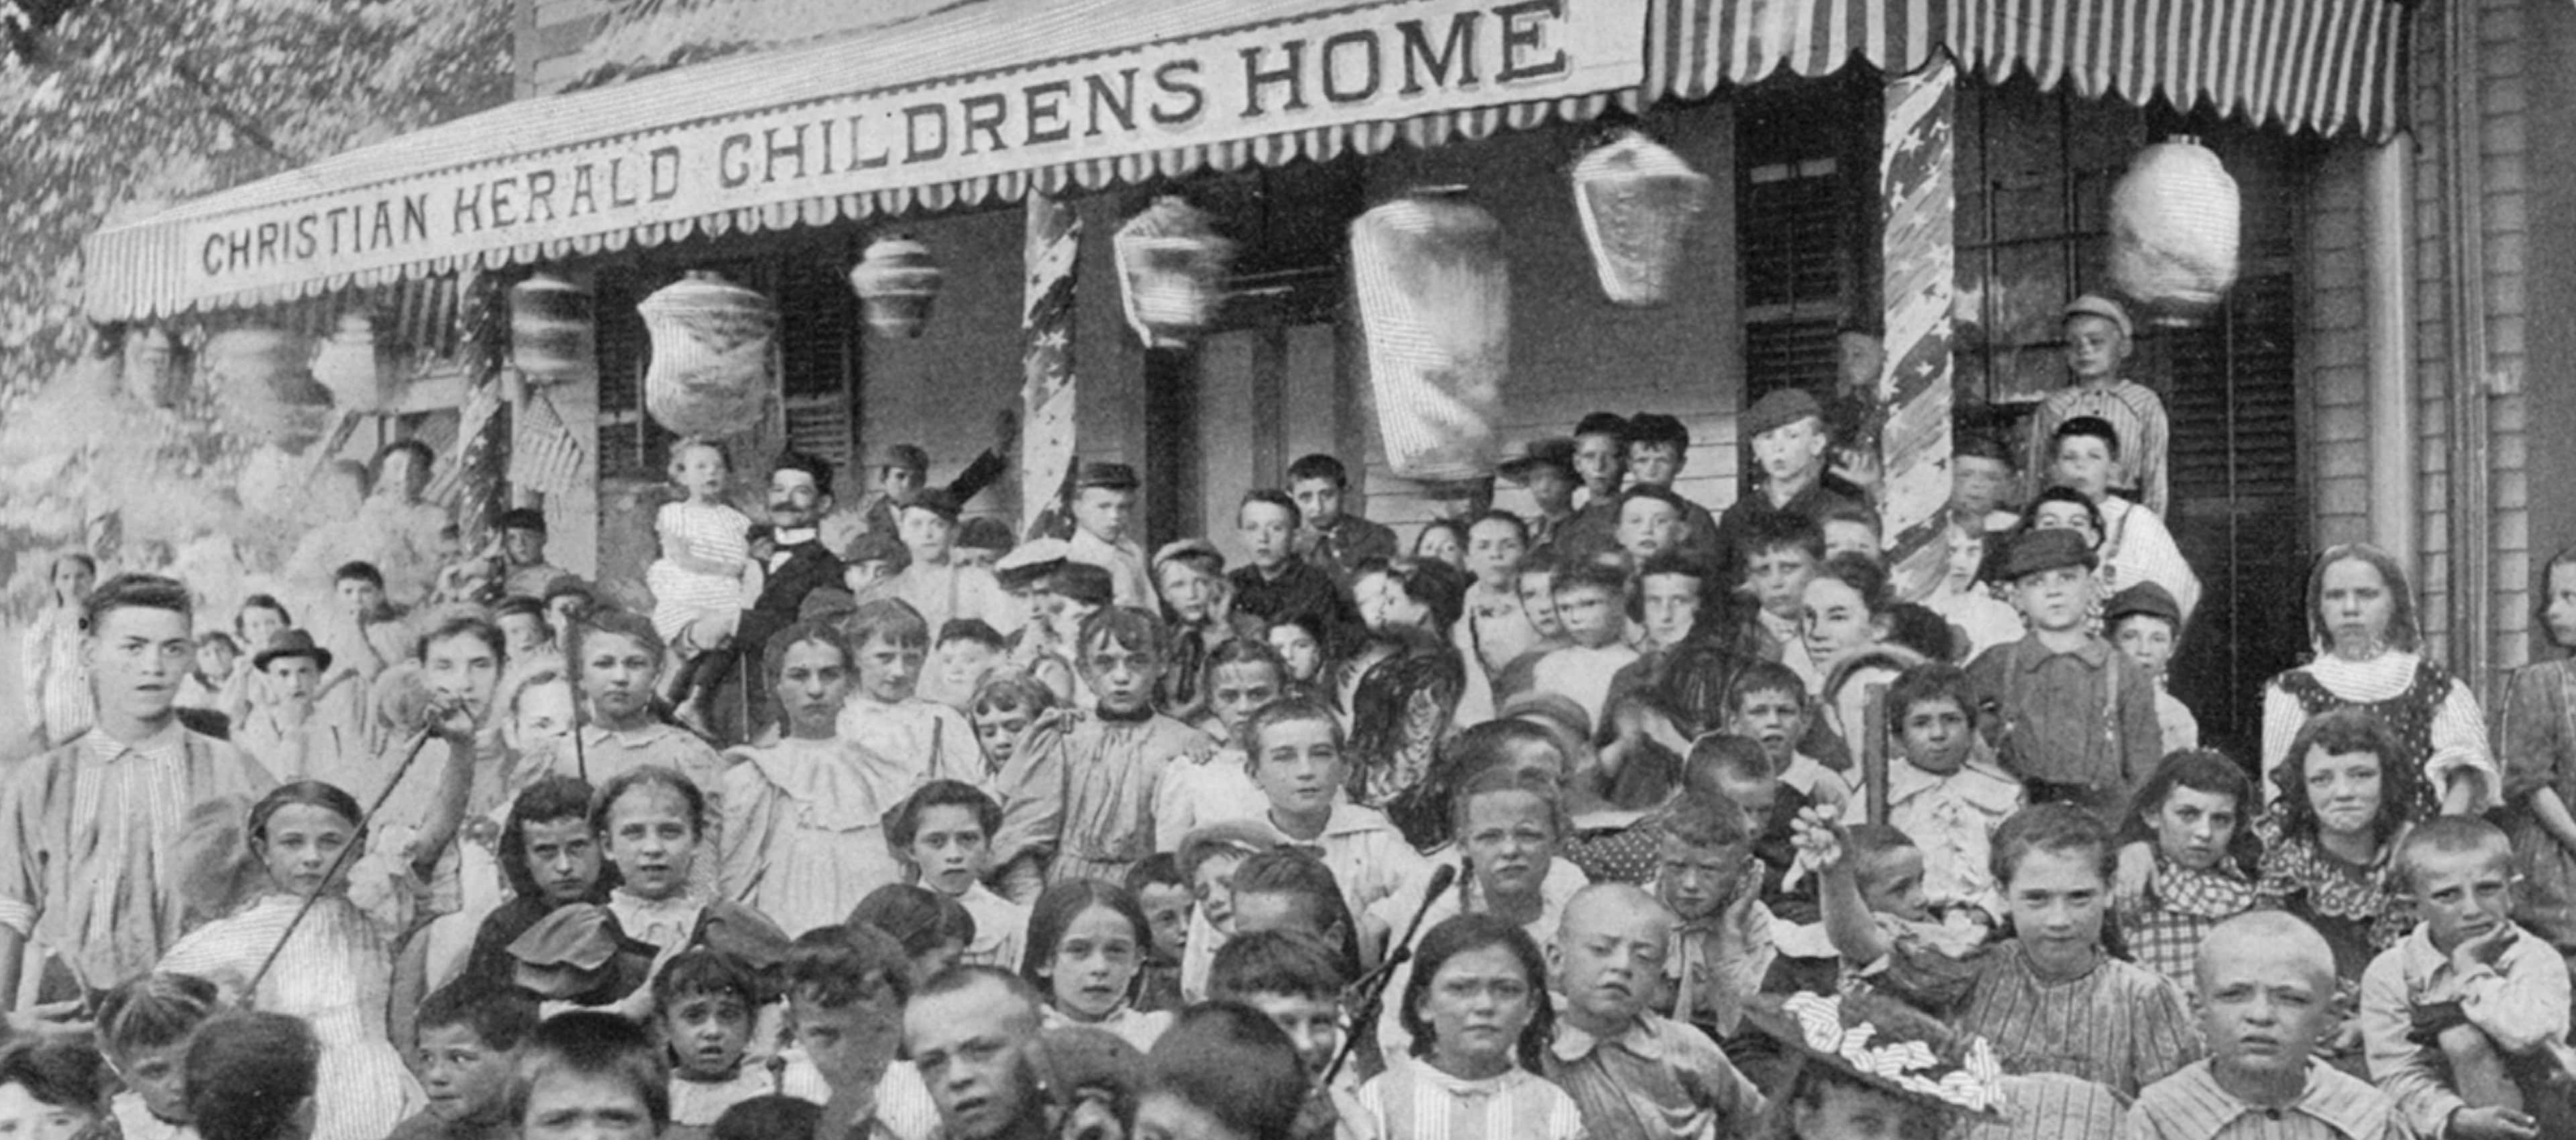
550, 858
2193, 811
333, 967
204, 686
1242, 676
704, 1004
654, 823
144, 1028
1442, 540
1827, 1097
616, 655
2329, 837
1301, 641
1009, 709
2537, 739
1410, 685
1190, 577
1496, 629
52, 1089
803, 840
1478, 1010
1100, 777
1087, 941
2049, 995
705, 575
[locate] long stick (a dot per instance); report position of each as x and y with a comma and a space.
340, 862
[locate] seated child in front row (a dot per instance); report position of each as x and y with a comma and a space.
598, 1068
2266, 988
471, 1032
2466, 1018
1612, 1051
144, 1027
1296, 981
2050, 996
2194, 813
846, 987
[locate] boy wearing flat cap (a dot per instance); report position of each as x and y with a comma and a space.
2144, 623
936, 584
905, 475
2097, 345
1786, 430
1545, 468
2064, 711
1104, 509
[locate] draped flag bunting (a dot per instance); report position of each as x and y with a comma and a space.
1918, 192
1046, 363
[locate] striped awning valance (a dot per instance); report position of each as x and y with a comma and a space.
2305, 65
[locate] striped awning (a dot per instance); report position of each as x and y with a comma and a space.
2305, 65
983, 101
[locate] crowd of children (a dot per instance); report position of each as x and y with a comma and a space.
1633, 819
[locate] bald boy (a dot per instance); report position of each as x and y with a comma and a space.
2267, 985
1636, 1075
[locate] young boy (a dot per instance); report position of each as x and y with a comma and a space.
1633, 1072
1591, 603
1786, 431
934, 583
1297, 983
1273, 583
1165, 896
525, 571
525, 632
1089, 794
2136, 546
1768, 702
587, 1075
1295, 754
2097, 344
2143, 621
2065, 712
287, 734
889, 640
1782, 553
1545, 468
945, 831
1241, 676
620, 657
968, 651
1334, 539
1851, 528
1658, 449
2267, 986
1943, 791
1104, 506
1536, 585
1496, 630
1734, 769
1650, 522
143, 1029
470, 1035
1601, 464
2465, 1019
875, 563
982, 541
846, 988
1706, 876
1189, 577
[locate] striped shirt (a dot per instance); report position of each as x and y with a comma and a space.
2117, 1025
1413, 1101
2191, 1105
2136, 414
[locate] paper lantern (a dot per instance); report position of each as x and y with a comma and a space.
1435, 308
363, 373
1638, 202
156, 368
897, 280
2174, 230
553, 336
712, 344
264, 387
1171, 272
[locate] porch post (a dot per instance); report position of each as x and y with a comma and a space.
2388, 199
1918, 199
1046, 360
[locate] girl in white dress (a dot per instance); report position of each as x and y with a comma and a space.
705, 575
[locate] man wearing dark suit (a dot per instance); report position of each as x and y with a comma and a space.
800, 494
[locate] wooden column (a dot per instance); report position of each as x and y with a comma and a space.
1047, 362
1918, 195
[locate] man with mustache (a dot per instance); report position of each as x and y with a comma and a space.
800, 494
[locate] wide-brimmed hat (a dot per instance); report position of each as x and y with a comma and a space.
1887, 1046
292, 643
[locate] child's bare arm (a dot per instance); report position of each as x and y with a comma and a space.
1824, 851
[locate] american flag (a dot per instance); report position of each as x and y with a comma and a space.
451, 479
545, 455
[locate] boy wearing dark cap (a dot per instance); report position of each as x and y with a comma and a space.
982, 541
1658, 449
1334, 538
905, 474
2097, 345
525, 571
935, 583
877, 561
1545, 469
1786, 431
1104, 509
2065, 712
284, 734
2143, 623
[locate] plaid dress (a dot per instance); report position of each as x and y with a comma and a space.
2181, 907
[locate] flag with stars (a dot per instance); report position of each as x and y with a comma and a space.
1046, 364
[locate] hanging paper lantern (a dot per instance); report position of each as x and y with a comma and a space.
1435, 307
364, 374
553, 336
2174, 230
897, 280
1171, 272
156, 368
712, 343
1638, 202
264, 386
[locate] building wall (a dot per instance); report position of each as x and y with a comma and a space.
2549, 102
2334, 350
